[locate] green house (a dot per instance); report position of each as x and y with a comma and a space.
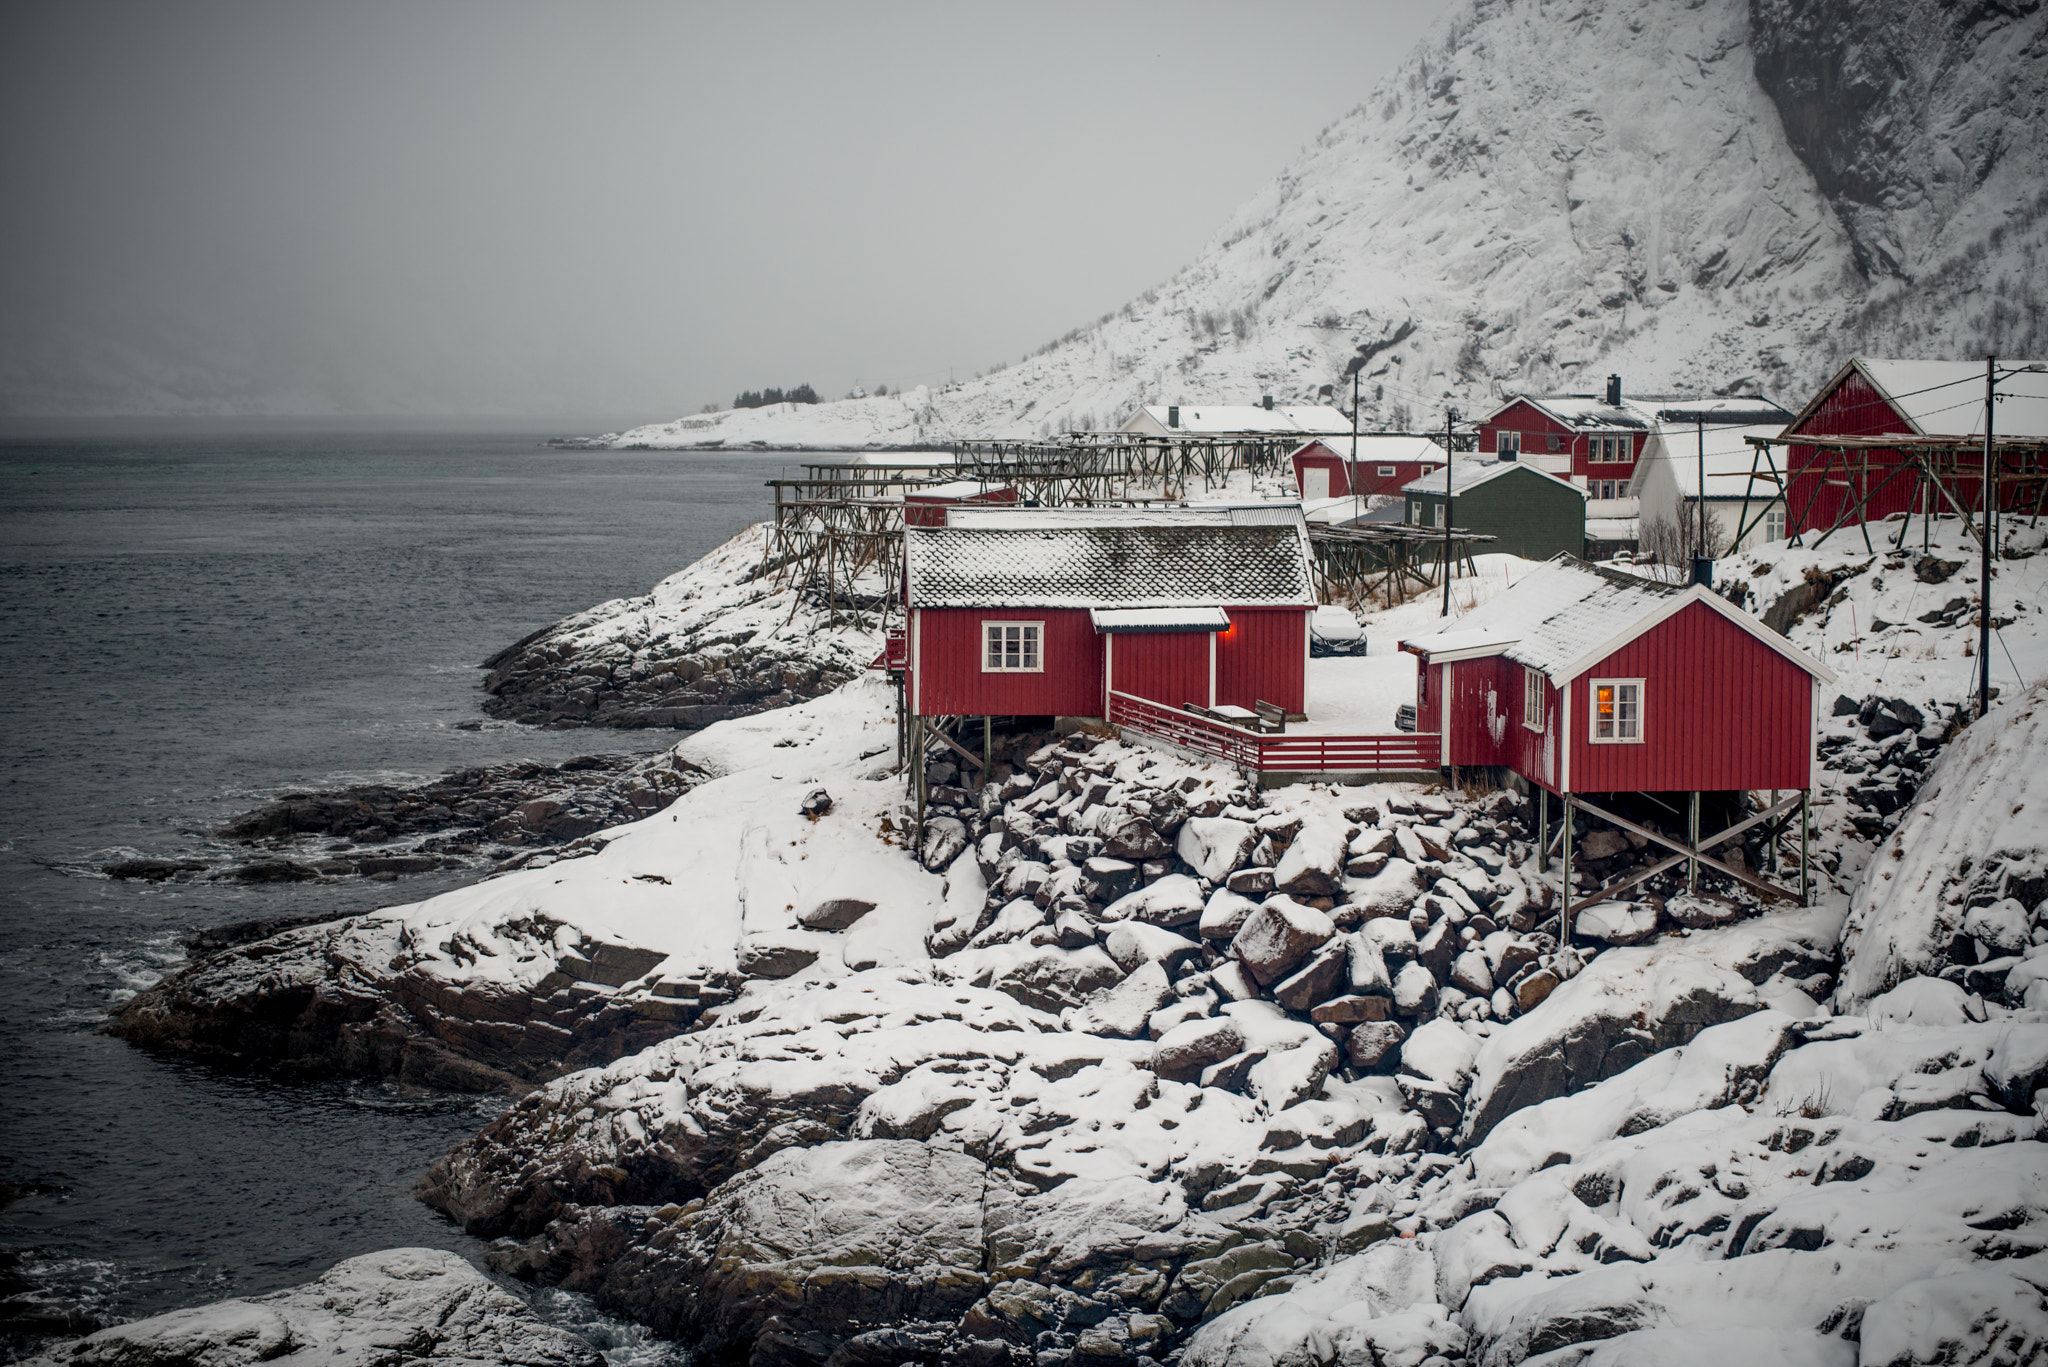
1529, 513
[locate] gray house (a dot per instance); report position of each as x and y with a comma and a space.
1529, 513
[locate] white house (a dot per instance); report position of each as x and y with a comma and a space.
1667, 481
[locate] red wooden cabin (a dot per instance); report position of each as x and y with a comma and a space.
1874, 398
926, 506
1324, 468
1586, 438
1045, 612
1583, 679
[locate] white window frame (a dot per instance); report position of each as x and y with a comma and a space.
1438, 513
1507, 443
1774, 524
1532, 698
1593, 711
1032, 632
1389, 471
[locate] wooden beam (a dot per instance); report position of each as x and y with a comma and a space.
1768, 889
1640, 876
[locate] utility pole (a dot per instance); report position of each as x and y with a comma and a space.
1984, 543
1699, 428
1450, 452
1357, 501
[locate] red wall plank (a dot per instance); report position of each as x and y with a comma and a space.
1168, 667
1263, 658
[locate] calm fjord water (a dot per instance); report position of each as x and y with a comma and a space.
189, 624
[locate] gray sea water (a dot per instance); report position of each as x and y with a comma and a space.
190, 624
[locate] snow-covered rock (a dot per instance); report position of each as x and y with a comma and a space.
400, 1305
1970, 855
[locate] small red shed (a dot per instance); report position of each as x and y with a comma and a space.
1583, 679
926, 505
1324, 468
1043, 612
1877, 398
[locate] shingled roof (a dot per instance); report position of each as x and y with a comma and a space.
1202, 563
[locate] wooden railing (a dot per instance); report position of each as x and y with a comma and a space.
1268, 753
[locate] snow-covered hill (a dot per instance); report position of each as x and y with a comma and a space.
1728, 194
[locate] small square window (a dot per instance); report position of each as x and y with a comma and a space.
1012, 647
1617, 712
1532, 698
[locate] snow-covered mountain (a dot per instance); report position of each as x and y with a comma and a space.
1726, 194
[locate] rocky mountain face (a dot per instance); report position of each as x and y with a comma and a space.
1724, 195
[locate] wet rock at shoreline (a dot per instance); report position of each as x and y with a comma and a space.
412, 1305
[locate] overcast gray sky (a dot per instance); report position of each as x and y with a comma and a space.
621, 211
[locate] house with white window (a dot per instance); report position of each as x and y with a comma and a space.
1688, 468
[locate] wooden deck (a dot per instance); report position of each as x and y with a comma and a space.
1399, 752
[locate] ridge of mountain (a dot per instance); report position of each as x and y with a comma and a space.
1721, 195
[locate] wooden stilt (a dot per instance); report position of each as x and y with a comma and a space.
1692, 838
1542, 830
988, 748
1564, 906
1805, 887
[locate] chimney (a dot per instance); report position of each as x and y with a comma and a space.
1268, 401
1614, 390
1173, 416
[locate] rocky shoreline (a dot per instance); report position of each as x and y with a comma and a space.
1127, 1062
729, 637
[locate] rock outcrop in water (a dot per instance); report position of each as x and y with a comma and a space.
404, 1305
727, 637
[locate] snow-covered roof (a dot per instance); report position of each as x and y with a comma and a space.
1470, 474
1567, 616
1588, 412
1381, 447
956, 488
1946, 398
1610, 529
1281, 513
1216, 419
1728, 460
1195, 562
1159, 619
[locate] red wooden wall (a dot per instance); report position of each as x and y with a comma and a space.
1853, 408
1167, 667
1537, 427
1264, 658
1721, 710
947, 678
929, 510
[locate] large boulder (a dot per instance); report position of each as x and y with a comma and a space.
1314, 864
1279, 937
784, 1263
1626, 1005
1215, 846
401, 1305
1976, 834
1173, 901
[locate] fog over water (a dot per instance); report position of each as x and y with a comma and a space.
633, 209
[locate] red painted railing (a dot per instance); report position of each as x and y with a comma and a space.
1269, 753
895, 656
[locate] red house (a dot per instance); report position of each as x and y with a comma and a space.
1586, 680
1591, 440
1044, 612
926, 506
1324, 468
1873, 398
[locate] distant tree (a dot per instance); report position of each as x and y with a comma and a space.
709, 408
803, 393
767, 398
1672, 545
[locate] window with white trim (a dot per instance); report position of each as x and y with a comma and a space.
1617, 712
1012, 647
1611, 447
1532, 698
1388, 471
1439, 514
1774, 522
1507, 445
